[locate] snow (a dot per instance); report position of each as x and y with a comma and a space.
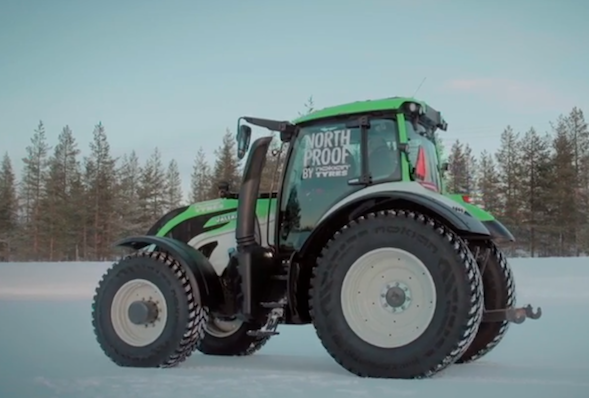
47, 348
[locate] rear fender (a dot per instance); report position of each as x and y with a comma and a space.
459, 221
499, 232
202, 273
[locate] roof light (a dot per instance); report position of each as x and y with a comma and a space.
466, 199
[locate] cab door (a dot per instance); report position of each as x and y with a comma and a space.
324, 167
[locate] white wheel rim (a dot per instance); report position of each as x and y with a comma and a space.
130, 333
369, 314
222, 329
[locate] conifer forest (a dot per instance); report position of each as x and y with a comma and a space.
71, 203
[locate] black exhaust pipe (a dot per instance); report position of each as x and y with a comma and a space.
245, 230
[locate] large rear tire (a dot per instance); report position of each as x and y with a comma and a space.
147, 313
395, 294
230, 338
499, 293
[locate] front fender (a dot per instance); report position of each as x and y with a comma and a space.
164, 220
201, 270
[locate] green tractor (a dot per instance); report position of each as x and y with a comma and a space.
398, 279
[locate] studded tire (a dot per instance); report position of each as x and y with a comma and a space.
456, 314
185, 322
239, 343
499, 293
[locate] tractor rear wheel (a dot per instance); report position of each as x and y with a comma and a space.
395, 294
147, 312
230, 338
499, 293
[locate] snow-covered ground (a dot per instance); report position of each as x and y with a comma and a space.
47, 348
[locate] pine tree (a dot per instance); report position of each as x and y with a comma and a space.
488, 180
64, 169
457, 163
562, 206
173, 186
535, 168
80, 213
508, 159
578, 133
33, 189
276, 156
227, 165
152, 192
128, 203
441, 148
8, 209
308, 107
470, 171
201, 187
100, 178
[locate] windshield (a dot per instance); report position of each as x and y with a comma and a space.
324, 164
423, 156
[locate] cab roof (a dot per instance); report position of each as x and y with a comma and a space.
383, 104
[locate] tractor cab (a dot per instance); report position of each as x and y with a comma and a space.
333, 156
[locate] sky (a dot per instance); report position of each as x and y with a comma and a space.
176, 74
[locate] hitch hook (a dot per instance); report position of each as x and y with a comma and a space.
519, 315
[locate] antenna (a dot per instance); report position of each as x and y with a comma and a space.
418, 87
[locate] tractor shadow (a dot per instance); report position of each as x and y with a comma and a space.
268, 363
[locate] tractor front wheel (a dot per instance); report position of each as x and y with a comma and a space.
147, 313
395, 294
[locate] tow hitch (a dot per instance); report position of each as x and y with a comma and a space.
515, 315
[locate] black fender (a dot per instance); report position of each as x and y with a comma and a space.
202, 271
164, 220
498, 231
462, 223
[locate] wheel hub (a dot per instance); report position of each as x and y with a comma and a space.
223, 328
395, 297
388, 297
143, 312
139, 312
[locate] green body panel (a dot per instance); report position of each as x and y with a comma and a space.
229, 219
474, 210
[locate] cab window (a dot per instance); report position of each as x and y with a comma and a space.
324, 162
423, 157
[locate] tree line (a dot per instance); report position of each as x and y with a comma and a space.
69, 207
536, 183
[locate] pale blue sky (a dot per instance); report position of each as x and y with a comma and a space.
175, 74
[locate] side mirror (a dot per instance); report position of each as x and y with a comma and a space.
244, 134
